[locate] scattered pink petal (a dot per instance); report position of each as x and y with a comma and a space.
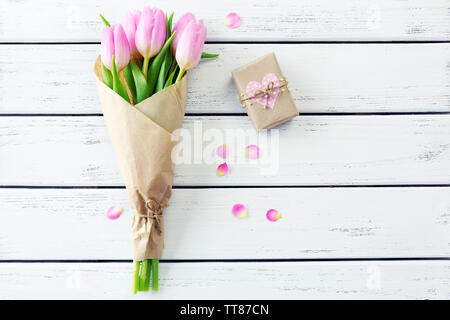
273, 215
239, 210
232, 20
252, 151
114, 212
222, 169
223, 150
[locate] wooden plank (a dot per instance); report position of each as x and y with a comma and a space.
258, 280
325, 78
285, 20
310, 150
317, 223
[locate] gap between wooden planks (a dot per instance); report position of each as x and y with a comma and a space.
285, 20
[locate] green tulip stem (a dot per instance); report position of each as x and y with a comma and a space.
155, 263
143, 276
145, 66
180, 75
148, 276
136, 277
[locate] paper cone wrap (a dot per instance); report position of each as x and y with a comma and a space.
142, 139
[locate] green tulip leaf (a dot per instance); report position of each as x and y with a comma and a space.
169, 25
155, 67
105, 21
107, 76
165, 67
117, 84
130, 80
209, 55
142, 89
169, 81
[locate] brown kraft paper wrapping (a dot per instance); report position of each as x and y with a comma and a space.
265, 118
142, 139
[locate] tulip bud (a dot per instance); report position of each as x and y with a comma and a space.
115, 43
190, 45
121, 48
151, 32
130, 25
179, 28
107, 47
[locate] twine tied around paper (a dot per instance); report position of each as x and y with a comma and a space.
154, 212
270, 90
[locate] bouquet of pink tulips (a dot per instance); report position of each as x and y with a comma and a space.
142, 83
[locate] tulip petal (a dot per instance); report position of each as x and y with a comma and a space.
144, 32
222, 169
130, 25
223, 150
151, 32
121, 48
190, 45
252, 151
273, 215
107, 47
239, 210
232, 20
159, 33
114, 212
179, 28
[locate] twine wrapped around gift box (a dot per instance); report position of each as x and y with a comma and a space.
267, 92
269, 102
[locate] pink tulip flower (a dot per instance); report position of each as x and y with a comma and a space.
115, 43
151, 32
190, 45
107, 46
179, 28
130, 25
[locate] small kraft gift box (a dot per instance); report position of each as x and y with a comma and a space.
263, 91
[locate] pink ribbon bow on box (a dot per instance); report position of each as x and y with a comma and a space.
266, 92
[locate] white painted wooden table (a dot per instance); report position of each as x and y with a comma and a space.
364, 179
